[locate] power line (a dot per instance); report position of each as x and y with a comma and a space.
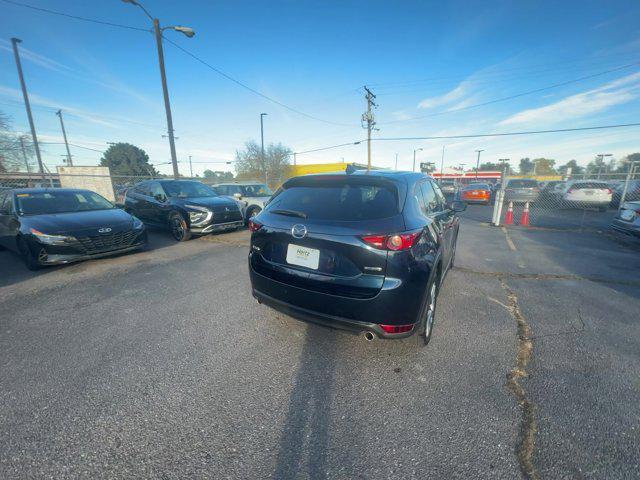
75, 17
511, 97
73, 145
252, 90
507, 134
475, 135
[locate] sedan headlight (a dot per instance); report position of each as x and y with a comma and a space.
199, 215
52, 239
137, 223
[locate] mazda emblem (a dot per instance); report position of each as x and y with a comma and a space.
104, 230
299, 231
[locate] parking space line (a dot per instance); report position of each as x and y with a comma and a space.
512, 245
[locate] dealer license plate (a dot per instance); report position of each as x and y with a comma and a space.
303, 256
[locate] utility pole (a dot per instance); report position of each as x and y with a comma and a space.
414, 158
368, 117
264, 164
64, 135
478, 162
442, 165
27, 105
396, 161
190, 167
24, 154
165, 92
294, 157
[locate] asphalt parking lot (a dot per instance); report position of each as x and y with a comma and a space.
160, 365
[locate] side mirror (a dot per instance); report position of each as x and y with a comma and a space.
237, 196
457, 206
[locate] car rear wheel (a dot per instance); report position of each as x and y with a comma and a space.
29, 259
179, 228
429, 313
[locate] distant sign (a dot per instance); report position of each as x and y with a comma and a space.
427, 167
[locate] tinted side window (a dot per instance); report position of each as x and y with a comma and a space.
221, 190
442, 201
429, 196
155, 189
420, 198
142, 189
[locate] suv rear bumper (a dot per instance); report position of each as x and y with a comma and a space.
329, 321
396, 304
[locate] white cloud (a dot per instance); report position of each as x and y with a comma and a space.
453, 95
617, 92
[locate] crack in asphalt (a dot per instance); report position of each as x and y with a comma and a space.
549, 276
525, 448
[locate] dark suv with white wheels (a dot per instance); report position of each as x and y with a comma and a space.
366, 251
185, 207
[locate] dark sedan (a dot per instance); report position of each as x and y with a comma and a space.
366, 251
60, 225
185, 207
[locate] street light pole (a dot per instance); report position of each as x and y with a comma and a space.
190, 167
264, 165
414, 157
478, 162
165, 92
27, 105
64, 135
396, 161
163, 75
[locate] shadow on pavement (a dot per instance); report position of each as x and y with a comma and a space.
306, 431
14, 270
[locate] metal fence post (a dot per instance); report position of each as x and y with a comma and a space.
632, 167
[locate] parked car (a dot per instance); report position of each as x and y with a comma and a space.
366, 251
476, 193
62, 225
585, 194
628, 219
632, 194
521, 190
448, 187
252, 195
185, 207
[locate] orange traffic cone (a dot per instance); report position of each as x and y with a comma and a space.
524, 221
508, 219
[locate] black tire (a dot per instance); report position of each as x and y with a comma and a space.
178, 227
252, 212
27, 256
428, 314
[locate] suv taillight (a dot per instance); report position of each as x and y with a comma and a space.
398, 241
254, 226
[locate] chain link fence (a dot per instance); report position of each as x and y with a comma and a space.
570, 202
112, 187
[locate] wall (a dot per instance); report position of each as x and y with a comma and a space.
96, 179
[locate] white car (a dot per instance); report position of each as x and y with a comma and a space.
628, 219
252, 196
585, 193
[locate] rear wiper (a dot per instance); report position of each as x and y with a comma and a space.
291, 213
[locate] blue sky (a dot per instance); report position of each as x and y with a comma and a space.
421, 58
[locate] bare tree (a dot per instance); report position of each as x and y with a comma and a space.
12, 155
249, 165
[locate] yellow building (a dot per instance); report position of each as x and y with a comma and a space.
296, 170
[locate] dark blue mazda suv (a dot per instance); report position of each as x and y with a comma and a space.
362, 251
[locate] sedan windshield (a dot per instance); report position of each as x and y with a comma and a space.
187, 189
63, 201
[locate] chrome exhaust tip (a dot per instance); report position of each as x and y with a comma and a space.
369, 336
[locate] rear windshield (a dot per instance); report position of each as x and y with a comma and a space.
579, 186
478, 186
340, 202
40, 203
521, 183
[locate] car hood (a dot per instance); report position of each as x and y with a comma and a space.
210, 202
115, 218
